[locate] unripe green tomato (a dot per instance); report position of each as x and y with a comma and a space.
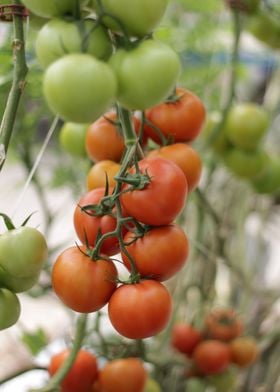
22, 254
138, 17
246, 124
59, 37
224, 382
50, 8
79, 88
9, 308
146, 74
221, 143
266, 28
72, 138
195, 385
245, 164
268, 182
152, 386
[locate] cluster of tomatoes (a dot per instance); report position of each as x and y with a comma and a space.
216, 347
23, 251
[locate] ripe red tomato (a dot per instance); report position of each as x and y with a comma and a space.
123, 375
87, 227
83, 284
82, 374
223, 324
184, 338
244, 351
96, 177
186, 158
160, 201
140, 310
211, 356
180, 121
160, 253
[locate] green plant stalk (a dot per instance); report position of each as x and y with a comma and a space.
55, 381
19, 74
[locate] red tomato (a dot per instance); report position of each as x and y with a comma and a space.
186, 158
82, 374
83, 284
140, 310
244, 351
160, 253
162, 199
179, 121
223, 324
123, 375
185, 338
211, 356
87, 227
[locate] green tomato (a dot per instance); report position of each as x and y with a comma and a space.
72, 138
221, 143
245, 164
146, 74
9, 308
265, 28
224, 382
50, 8
152, 386
79, 88
246, 124
22, 254
137, 17
59, 37
269, 181
195, 385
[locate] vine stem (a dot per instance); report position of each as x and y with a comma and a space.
19, 74
80, 333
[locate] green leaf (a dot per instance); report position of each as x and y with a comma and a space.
35, 341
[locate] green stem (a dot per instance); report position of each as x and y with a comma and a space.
55, 381
19, 74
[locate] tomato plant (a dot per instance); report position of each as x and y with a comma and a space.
140, 310
125, 374
244, 351
225, 381
159, 254
9, 308
164, 178
83, 284
101, 172
212, 356
223, 324
82, 374
185, 338
268, 182
72, 138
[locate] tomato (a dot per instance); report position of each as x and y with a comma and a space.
266, 28
186, 158
88, 227
220, 143
22, 254
83, 284
245, 164
160, 253
223, 324
225, 381
9, 308
140, 310
72, 138
82, 374
179, 120
50, 8
104, 138
159, 67
162, 199
246, 124
196, 385
138, 17
211, 356
96, 177
152, 386
184, 338
59, 37
269, 180
244, 351
125, 375
79, 87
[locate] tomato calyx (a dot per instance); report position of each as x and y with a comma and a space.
137, 180
9, 223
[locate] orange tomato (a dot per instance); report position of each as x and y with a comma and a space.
96, 177
244, 351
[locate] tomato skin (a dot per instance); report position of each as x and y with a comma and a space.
167, 181
72, 138
245, 164
160, 253
83, 284
244, 351
159, 67
79, 87
87, 227
184, 338
82, 374
126, 375
96, 177
9, 308
152, 386
212, 356
268, 182
186, 158
223, 324
180, 121
140, 310
50, 8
